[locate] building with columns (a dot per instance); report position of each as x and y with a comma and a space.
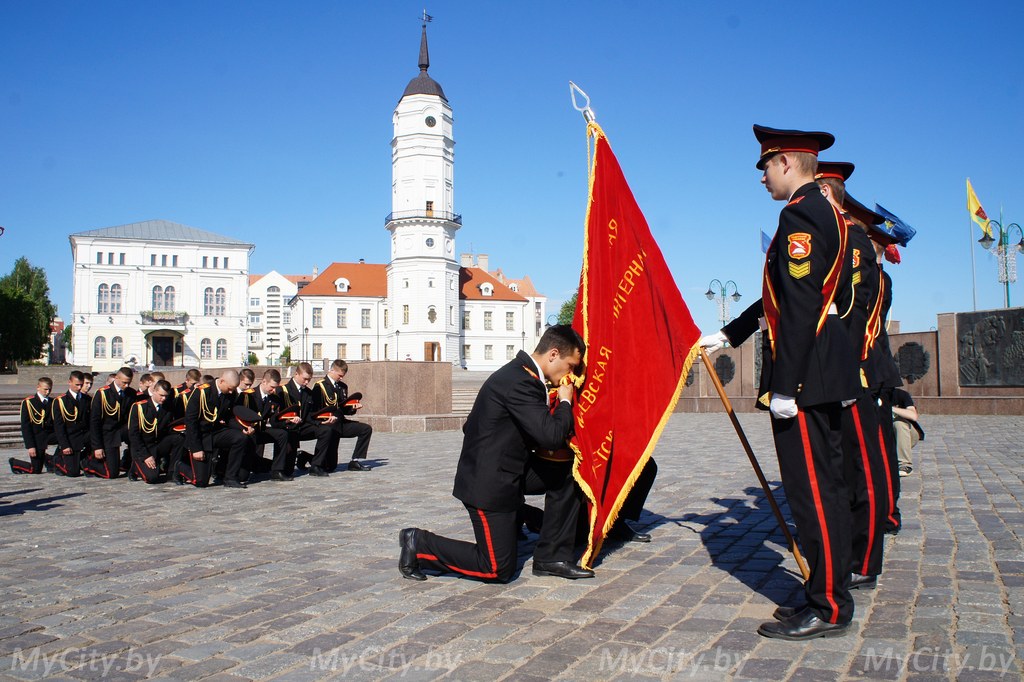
425, 303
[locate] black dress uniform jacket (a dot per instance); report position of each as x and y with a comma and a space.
815, 364
36, 422
71, 422
108, 416
509, 419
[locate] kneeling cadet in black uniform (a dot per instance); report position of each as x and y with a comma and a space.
151, 436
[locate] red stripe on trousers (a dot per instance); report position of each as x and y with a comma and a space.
826, 543
490, 552
871, 489
888, 476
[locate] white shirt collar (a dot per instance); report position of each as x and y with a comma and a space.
540, 373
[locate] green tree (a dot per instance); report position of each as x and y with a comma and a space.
568, 309
66, 335
286, 356
25, 313
253, 359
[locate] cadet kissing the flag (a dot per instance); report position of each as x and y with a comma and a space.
628, 307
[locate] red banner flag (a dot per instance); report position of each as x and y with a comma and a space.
641, 342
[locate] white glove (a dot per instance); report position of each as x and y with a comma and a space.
847, 403
713, 342
782, 406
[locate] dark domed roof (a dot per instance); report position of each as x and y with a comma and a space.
423, 84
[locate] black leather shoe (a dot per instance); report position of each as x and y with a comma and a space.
279, 476
408, 564
132, 476
803, 625
317, 471
178, 480
10, 460
623, 532
302, 459
228, 483
561, 569
863, 582
356, 465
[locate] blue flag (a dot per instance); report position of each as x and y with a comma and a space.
766, 241
900, 230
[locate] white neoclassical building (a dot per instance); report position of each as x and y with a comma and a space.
158, 292
426, 303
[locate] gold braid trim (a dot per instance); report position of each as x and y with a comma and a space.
327, 400
145, 426
35, 416
107, 409
204, 409
65, 415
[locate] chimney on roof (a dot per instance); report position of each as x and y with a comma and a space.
466, 260
482, 261
316, 271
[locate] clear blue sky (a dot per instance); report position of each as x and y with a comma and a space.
271, 122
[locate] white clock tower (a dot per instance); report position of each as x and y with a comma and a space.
423, 273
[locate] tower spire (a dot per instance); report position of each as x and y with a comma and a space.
424, 57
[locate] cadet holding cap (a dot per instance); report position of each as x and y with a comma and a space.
807, 372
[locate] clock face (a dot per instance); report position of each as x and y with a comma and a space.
430, 242
430, 121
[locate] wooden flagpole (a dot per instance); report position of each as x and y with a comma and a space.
801, 564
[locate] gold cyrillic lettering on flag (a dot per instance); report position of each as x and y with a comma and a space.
628, 306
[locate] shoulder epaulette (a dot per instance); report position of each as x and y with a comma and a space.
200, 387
796, 201
249, 390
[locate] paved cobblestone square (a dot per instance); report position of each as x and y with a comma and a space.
298, 581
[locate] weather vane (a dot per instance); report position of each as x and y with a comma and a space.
426, 18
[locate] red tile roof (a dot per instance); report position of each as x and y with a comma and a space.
365, 279
470, 280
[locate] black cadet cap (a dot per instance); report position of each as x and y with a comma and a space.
246, 416
877, 229
774, 141
838, 170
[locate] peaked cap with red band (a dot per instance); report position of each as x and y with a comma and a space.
775, 141
838, 170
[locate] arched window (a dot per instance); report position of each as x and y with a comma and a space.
115, 298
99, 347
205, 349
208, 301
169, 298
103, 300
222, 349
273, 290
220, 302
158, 298
116, 347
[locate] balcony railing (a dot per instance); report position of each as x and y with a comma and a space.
424, 213
175, 317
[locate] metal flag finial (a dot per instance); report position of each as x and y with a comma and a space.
588, 113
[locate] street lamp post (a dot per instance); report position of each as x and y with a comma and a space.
719, 293
305, 331
1006, 254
